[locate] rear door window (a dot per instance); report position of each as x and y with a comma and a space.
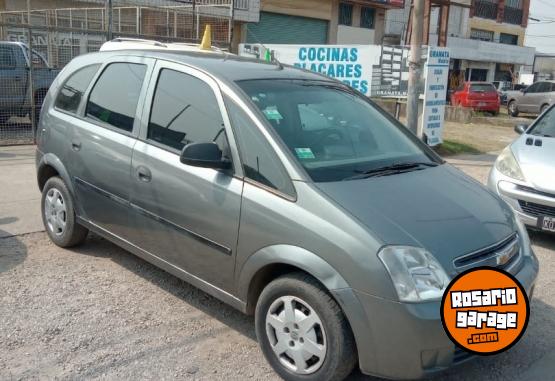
545, 87
115, 95
72, 91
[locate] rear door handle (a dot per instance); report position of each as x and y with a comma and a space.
76, 145
144, 174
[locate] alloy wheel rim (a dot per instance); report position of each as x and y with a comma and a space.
296, 335
55, 212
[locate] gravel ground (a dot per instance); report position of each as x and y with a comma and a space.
98, 312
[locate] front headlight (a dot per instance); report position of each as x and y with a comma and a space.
415, 273
507, 165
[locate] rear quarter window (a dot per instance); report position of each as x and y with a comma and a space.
71, 93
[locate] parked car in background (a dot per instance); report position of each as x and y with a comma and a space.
503, 88
15, 97
282, 192
524, 173
534, 99
480, 96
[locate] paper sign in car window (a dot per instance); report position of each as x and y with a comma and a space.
272, 113
304, 153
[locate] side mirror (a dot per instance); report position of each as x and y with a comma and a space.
521, 128
206, 155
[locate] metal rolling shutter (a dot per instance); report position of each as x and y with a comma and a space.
275, 28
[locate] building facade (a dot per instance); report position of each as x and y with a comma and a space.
318, 22
485, 37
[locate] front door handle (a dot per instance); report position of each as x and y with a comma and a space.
144, 174
75, 145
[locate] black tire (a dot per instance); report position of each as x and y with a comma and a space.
544, 108
72, 234
512, 109
340, 358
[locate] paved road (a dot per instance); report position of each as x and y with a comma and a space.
98, 312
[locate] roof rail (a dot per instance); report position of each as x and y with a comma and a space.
124, 43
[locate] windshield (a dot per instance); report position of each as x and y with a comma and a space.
546, 125
334, 132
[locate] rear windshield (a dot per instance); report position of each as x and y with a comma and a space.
333, 131
482, 88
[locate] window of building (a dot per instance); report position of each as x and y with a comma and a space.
115, 95
260, 163
480, 34
73, 89
510, 39
7, 58
185, 110
367, 17
345, 14
513, 4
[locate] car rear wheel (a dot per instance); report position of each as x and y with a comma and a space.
58, 214
512, 109
544, 108
302, 330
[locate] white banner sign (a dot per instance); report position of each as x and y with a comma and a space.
433, 116
374, 70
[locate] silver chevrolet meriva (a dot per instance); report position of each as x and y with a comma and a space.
286, 194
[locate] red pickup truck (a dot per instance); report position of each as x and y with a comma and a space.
480, 96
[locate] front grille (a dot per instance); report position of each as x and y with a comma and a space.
535, 191
482, 256
536, 210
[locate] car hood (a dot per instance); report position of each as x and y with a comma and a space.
440, 209
537, 162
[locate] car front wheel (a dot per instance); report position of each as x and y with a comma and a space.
302, 330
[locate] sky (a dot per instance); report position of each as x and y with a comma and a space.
541, 34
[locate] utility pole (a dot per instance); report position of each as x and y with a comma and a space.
32, 114
109, 20
415, 64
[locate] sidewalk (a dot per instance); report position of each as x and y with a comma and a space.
20, 201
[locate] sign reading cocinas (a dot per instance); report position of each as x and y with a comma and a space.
336, 62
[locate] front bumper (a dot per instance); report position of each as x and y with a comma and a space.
527, 203
404, 340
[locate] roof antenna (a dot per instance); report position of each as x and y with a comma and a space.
269, 56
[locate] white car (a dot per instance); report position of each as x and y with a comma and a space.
524, 173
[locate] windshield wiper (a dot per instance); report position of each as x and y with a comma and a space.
392, 169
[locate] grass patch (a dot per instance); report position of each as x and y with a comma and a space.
450, 148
